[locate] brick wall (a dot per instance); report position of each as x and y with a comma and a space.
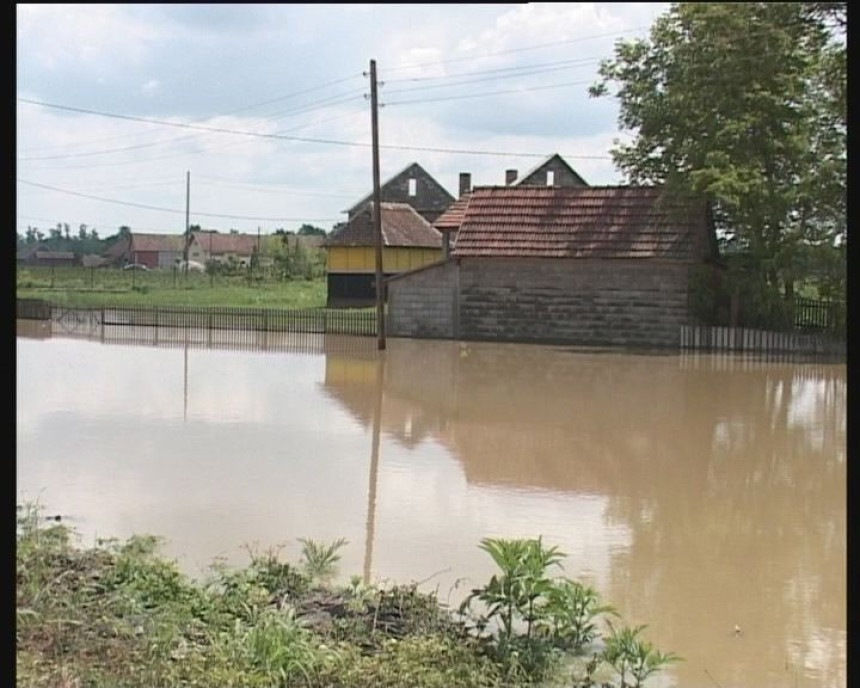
424, 303
588, 302
585, 302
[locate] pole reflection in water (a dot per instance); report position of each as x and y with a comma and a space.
374, 467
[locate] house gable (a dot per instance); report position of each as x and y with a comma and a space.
562, 174
415, 187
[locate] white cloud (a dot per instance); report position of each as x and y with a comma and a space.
151, 86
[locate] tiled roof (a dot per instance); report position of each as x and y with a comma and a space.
157, 242
452, 218
588, 222
401, 226
218, 243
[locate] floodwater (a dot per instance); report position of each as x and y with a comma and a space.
696, 492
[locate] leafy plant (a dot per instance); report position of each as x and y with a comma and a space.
572, 610
320, 560
627, 652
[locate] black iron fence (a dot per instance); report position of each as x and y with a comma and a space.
819, 316
303, 320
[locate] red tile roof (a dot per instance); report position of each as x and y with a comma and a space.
157, 242
218, 243
401, 226
452, 218
588, 222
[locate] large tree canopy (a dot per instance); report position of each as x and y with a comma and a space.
745, 103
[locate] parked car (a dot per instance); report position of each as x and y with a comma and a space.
135, 266
193, 266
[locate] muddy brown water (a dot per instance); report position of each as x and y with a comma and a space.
695, 492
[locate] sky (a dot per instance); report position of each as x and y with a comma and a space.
510, 79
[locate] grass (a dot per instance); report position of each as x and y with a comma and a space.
119, 614
84, 287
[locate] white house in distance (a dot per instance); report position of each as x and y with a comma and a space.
206, 245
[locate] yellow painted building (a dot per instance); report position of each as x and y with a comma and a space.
409, 242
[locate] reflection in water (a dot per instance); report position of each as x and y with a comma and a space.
697, 492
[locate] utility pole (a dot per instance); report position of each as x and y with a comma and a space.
187, 226
377, 211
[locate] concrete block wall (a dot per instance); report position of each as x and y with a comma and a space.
424, 304
587, 302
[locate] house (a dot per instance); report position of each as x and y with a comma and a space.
553, 171
585, 265
413, 186
409, 242
206, 245
151, 250
40, 254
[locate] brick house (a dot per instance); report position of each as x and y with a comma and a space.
408, 242
151, 250
414, 186
584, 265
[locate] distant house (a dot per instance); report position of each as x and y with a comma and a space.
40, 254
409, 242
216, 246
414, 186
553, 171
585, 265
151, 250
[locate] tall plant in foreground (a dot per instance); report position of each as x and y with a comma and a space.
629, 654
320, 560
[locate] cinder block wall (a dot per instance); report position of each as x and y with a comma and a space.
607, 302
424, 304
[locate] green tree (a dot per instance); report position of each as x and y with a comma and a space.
745, 103
310, 230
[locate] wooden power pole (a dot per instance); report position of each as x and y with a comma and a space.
187, 226
377, 211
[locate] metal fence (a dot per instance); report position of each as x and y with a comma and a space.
743, 339
820, 316
303, 320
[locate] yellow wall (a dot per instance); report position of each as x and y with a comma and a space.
363, 258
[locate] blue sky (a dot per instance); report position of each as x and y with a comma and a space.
296, 70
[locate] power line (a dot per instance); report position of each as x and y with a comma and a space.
485, 78
583, 60
328, 102
224, 114
355, 144
489, 93
137, 161
173, 210
517, 50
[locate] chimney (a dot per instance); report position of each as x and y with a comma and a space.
465, 183
510, 177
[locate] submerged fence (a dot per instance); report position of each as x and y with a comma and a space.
712, 338
302, 320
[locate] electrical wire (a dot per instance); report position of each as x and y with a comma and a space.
173, 210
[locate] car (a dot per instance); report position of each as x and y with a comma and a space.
193, 266
135, 266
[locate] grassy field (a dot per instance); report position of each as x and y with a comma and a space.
88, 287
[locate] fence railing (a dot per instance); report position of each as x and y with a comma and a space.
713, 338
302, 320
821, 316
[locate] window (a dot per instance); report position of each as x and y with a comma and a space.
413, 187
550, 178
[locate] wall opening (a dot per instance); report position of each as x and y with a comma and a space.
413, 187
550, 178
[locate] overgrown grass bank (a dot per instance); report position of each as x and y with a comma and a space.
119, 614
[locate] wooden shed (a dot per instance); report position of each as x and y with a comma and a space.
409, 242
